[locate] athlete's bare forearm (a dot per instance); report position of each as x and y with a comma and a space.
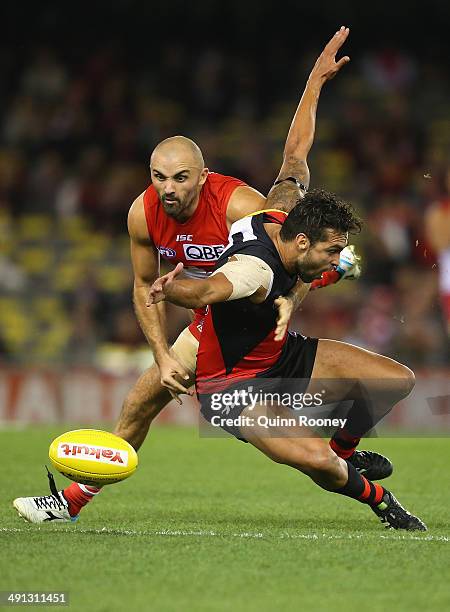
300, 137
287, 305
298, 293
301, 133
189, 293
152, 321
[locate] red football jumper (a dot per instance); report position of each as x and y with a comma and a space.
199, 241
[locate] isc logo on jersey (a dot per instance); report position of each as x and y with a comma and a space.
203, 252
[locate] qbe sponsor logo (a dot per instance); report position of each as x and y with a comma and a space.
166, 251
203, 252
99, 454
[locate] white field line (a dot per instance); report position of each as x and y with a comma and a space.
216, 534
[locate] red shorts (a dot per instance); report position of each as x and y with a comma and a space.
197, 324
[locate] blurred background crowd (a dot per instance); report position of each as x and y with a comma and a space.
87, 94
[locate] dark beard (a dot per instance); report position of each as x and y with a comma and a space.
307, 275
173, 209
179, 209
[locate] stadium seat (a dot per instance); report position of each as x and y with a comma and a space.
34, 227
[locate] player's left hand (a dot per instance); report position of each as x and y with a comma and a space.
349, 263
285, 309
156, 292
326, 66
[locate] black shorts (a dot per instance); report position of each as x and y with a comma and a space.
291, 373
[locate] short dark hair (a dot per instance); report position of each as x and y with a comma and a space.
318, 211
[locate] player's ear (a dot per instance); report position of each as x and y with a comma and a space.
203, 176
302, 242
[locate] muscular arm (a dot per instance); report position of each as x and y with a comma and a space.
244, 201
298, 293
192, 293
301, 133
285, 195
242, 276
144, 258
287, 305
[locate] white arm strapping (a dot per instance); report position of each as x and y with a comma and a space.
247, 274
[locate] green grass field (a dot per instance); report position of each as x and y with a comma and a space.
211, 524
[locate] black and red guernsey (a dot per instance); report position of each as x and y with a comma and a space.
237, 341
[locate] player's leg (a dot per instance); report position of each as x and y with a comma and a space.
375, 384
313, 456
346, 362
142, 404
148, 397
293, 445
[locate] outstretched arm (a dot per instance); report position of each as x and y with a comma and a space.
190, 293
300, 138
285, 193
241, 276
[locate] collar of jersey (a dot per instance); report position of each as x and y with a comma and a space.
265, 210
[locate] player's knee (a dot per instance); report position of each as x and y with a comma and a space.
138, 406
143, 402
409, 381
136, 399
147, 392
405, 382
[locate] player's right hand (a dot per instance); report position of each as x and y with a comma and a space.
170, 370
